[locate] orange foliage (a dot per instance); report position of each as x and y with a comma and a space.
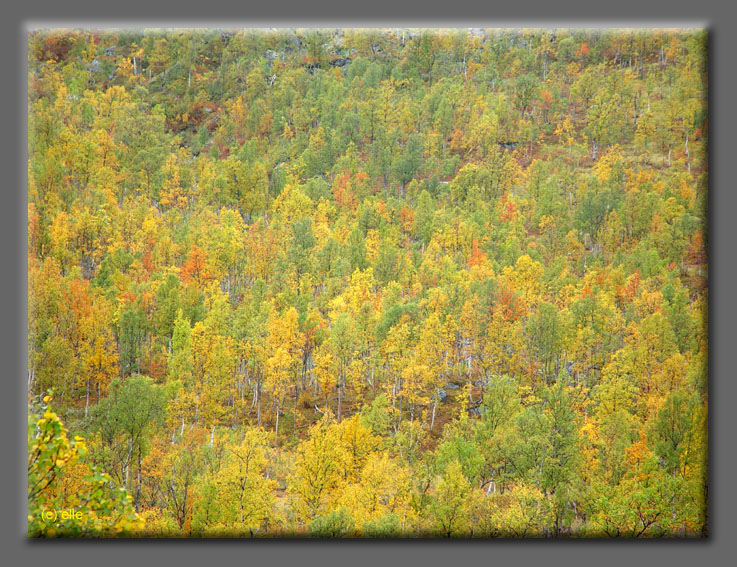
194, 268
407, 218
509, 209
343, 191
478, 257
512, 305
547, 99
78, 299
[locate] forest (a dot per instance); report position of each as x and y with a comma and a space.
378, 283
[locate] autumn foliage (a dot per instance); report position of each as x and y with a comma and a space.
368, 283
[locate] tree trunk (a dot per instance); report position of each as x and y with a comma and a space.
688, 157
258, 402
340, 397
127, 467
296, 395
87, 400
138, 482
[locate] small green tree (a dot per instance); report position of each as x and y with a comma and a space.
132, 410
65, 497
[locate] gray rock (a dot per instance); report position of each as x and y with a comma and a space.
474, 412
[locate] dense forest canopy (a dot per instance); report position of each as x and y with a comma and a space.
383, 283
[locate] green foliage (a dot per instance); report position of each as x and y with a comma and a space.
335, 524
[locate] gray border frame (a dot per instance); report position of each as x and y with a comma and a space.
714, 14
